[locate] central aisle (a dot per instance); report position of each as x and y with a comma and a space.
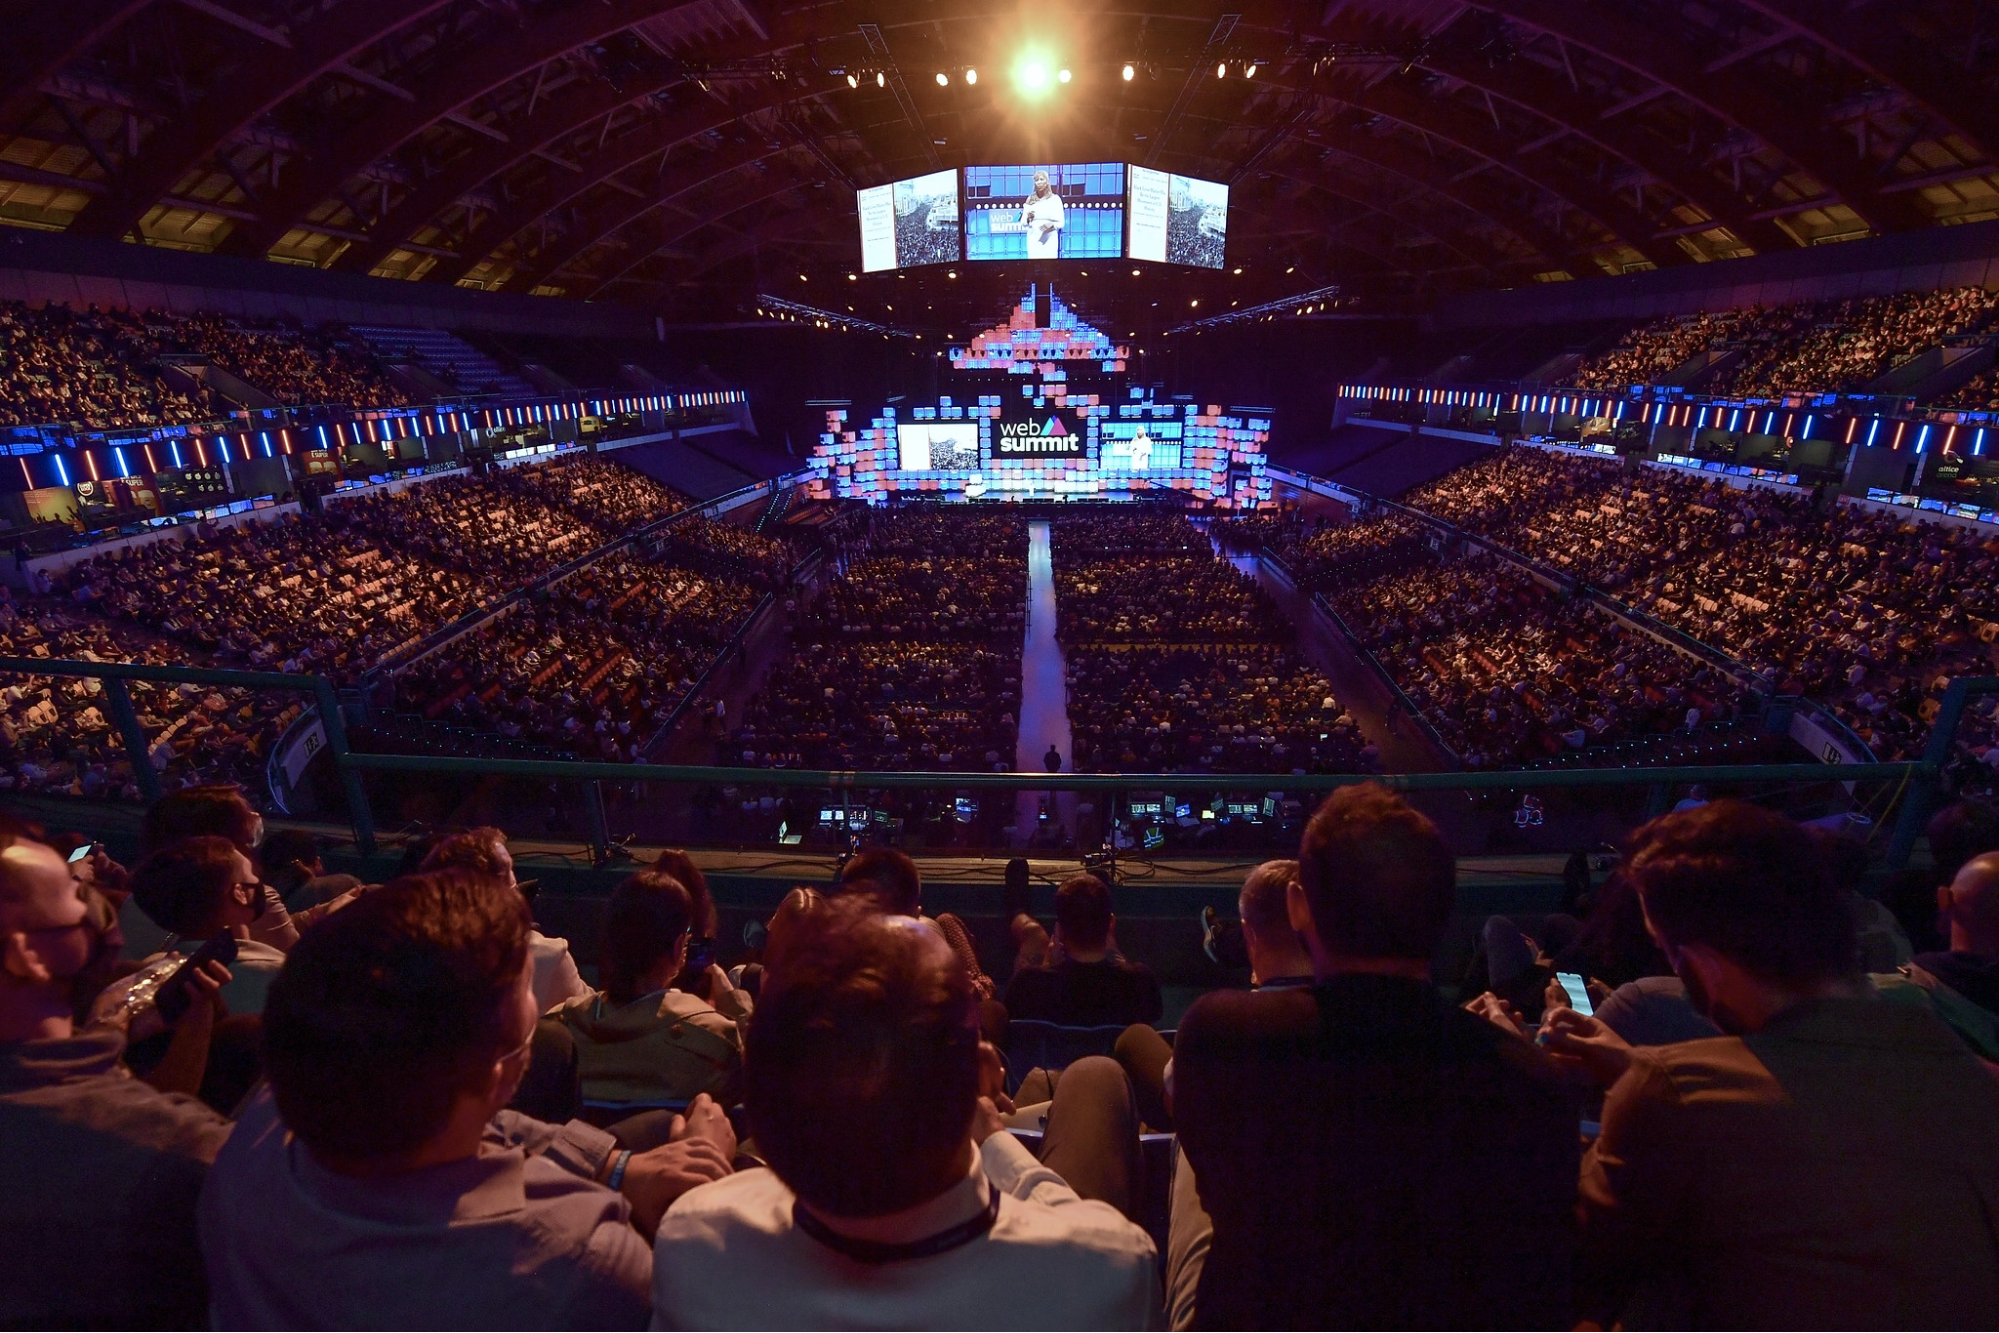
1044, 688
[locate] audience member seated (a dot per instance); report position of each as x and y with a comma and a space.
1969, 907
895, 1197
639, 1042
199, 888
1364, 1154
1829, 1162
483, 852
101, 1171
891, 879
380, 1181
1079, 979
1278, 960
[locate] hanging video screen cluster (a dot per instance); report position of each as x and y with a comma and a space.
1059, 210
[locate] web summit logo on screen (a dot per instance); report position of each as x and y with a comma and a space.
1036, 437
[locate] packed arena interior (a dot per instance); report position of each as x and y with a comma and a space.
721, 666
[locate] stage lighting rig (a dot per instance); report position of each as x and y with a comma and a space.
776, 307
1312, 301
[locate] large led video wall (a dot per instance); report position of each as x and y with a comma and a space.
1020, 431
910, 222
1177, 219
1080, 216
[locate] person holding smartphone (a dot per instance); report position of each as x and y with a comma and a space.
641, 1042
101, 1170
200, 888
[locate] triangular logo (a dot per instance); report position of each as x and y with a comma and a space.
1054, 427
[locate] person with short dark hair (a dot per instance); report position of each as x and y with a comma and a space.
895, 1198
198, 888
1083, 983
221, 810
380, 1182
483, 851
1831, 1162
101, 1170
1277, 959
891, 878
1363, 1153
639, 1040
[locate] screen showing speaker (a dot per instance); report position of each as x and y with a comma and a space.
1177, 219
937, 446
1140, 446
910, 222
1045, 211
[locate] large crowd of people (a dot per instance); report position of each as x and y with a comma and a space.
1803, 347
908, 658
1866, 611
362, 586
1509, 673
1178, 661
93, 367
593, 668
404, 1105
295, 365
101, 368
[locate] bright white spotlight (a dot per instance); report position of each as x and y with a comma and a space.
1129, 73
943, 79
1249, 71
1222, 70
853, 82
972, 77
881, 79
1032, 76
1062, 76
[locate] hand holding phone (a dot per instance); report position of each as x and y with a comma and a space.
176, 994
700, 953
1578, 992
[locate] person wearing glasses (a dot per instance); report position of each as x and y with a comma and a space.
102, 1169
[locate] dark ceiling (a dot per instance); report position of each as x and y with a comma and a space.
686, 156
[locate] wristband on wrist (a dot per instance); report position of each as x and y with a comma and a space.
617, 1177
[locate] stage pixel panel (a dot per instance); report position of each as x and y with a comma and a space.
1082, 217
910, 222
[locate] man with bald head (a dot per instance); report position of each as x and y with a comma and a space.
895, 1197
101, 1171
1968, 911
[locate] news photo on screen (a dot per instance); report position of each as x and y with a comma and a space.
1050, 211
910, 222
937, 446
1177, 219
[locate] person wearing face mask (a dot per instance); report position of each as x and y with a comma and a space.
99, 1180
1832, 1160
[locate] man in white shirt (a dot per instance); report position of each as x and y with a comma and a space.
1042, 216
895, 1198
